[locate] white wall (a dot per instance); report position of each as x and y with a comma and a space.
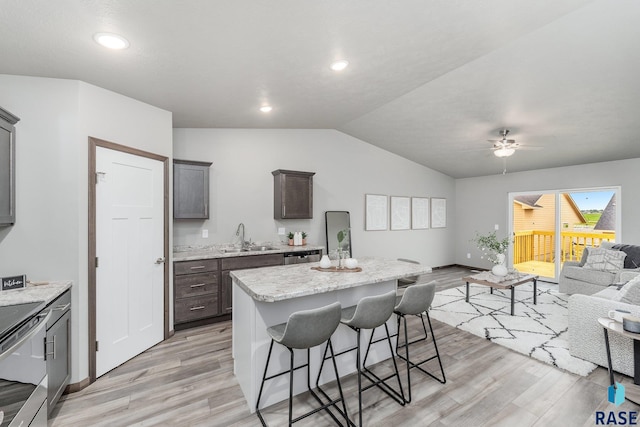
49, 240
483, 202
346, 168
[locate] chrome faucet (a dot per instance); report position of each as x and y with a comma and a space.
241, 225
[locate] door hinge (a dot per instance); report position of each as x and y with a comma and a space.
97, 346
100, 176
97, 262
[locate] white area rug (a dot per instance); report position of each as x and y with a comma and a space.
539, 331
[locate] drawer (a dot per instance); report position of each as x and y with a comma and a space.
194, 308
200, 266
190, 285
238, 263
59, 307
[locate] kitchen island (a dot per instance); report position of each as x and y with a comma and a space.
265, 297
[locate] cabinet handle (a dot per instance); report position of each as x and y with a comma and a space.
199, 285
53, 353
200, 307
62, 307
284, 210
198, 267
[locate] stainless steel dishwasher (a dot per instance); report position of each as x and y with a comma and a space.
302, 257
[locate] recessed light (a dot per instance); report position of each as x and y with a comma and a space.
339, 65
111, 41
266, 108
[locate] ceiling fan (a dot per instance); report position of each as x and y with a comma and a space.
504, 147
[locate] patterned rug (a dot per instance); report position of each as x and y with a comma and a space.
539, 331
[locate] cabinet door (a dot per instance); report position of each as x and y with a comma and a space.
57, 354
226, 293
293, 194
190, 190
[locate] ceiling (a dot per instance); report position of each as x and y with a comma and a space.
429, 80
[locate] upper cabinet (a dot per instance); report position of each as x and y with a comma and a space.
292, 194
190, 189
7, 168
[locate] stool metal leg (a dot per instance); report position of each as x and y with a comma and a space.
264, 377
381, 382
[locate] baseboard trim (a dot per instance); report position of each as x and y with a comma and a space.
459, 266
76, 387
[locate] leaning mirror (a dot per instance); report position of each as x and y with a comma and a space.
337, 221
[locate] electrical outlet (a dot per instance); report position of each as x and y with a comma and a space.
468, 256
497, 227
205, 234
281, 231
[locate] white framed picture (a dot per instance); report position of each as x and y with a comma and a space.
419, 213
376, 212
400, 213
438, 212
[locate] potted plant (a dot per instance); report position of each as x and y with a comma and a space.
290, 236
304, 238
494, 250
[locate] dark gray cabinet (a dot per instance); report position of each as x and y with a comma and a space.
196, 290
241, 263
292, 194
57, 348
7, 168
190, 189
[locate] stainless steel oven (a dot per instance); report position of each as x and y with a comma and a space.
23, 368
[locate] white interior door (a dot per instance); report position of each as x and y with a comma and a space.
129, 248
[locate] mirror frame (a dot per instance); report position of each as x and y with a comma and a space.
334, 239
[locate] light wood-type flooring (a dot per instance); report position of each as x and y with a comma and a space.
188, 381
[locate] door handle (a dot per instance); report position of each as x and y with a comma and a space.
160, 260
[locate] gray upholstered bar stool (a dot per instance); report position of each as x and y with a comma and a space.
370, 313
306, 329
416, 301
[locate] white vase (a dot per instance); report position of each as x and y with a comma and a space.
325, 262
500, 269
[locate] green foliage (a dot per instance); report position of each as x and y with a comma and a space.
491, 246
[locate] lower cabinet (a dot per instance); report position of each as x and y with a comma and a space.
241, 263
196, 290
202, 289
57, 349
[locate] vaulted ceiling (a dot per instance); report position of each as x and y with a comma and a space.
429, 80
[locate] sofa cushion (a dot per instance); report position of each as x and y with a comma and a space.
610, 293
602, 278
605, 260
633, 255
630, 292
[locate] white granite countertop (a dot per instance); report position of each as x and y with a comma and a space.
213, 252
33, 293
270, 284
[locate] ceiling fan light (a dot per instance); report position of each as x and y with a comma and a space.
504, 152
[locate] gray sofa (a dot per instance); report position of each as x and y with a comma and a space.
575, 279
586, 336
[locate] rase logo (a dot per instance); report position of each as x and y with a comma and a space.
615, 395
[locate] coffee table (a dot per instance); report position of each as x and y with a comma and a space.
488, 279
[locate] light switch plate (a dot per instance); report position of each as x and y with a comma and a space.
497, 227
281, 231
205, 234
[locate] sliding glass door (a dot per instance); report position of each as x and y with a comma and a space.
552, 227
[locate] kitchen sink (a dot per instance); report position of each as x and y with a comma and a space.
260, 248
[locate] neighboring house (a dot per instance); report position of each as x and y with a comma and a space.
607, 221
537, 212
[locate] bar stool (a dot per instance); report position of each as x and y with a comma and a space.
370, 313
416, 301
304, 330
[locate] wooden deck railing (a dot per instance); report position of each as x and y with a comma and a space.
538, 245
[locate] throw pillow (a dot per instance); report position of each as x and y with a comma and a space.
632, 260
605, 260
630, 292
